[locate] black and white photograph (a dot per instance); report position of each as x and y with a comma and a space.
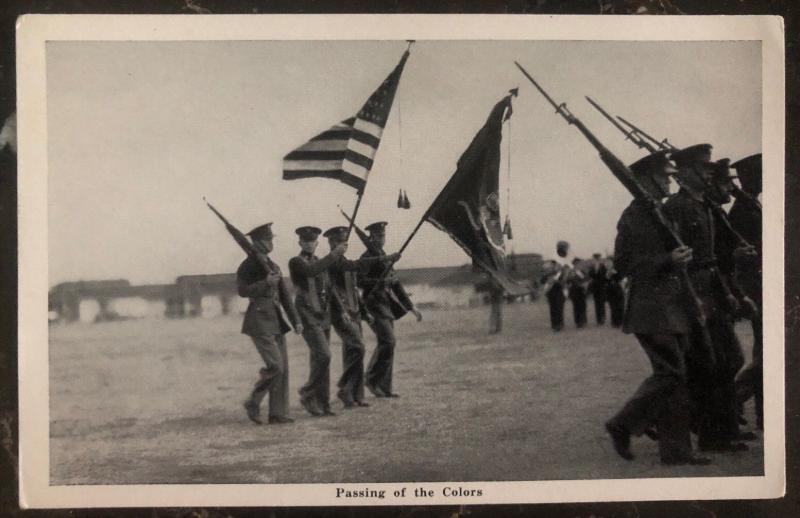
350, 260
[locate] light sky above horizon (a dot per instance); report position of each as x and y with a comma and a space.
139, 132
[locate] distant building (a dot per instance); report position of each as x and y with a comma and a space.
216, 294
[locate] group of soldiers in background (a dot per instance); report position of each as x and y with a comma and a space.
694, 386
569, 280
326, 296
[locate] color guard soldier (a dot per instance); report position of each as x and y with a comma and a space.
712, 389
745, 217
347, 321
657, 315
313, 302
264, 323
386, 301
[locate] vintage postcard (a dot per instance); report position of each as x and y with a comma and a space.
411, 259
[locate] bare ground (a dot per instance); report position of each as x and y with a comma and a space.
159, 401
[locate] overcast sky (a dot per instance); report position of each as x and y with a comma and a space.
140, 132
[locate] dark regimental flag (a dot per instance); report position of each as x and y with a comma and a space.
346, 151
468, 208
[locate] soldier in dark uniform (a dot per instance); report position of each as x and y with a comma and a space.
265, 325
577, 293
313, 301
656, 313
745, 217
347, 321
556, 284
712, 387
386, 301
599, 288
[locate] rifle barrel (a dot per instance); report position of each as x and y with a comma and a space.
541, 90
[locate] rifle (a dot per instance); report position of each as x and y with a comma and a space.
631, 134
625, 176
365, 240
662, 144
241, 239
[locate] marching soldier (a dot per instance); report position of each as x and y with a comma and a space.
599, 288
386, 301
657, 315
313, 302
712, 388
264, 323
555, 285
577, 293
745, 217
347, 321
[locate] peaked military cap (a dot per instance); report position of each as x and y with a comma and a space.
340, 232
749, 171
657, 162
379, 227
308, 233
262, 231
692, 154
722, 169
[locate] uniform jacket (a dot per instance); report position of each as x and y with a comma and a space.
263, 316
314, 299
657, 303
389, 300
599, 277
343, 274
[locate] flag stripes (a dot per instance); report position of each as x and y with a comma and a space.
347, 150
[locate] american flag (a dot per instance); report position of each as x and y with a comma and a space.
346, 151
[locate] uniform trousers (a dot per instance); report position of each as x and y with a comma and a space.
317, 388
379, 371
713, 387
750, 382
577, 295
599, 297
555, 299
662, 398
351, 383
274, 377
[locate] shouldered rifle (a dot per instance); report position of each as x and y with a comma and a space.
365, 240
631, 134
241, 239
715, 207
625, 176
662, 144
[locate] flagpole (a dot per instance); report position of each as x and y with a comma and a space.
355, 211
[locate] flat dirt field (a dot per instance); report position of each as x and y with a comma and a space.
160, 401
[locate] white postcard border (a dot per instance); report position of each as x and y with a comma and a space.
33, 31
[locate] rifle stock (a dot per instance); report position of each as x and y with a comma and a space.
625, 176
240, 239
